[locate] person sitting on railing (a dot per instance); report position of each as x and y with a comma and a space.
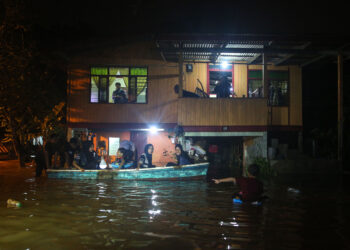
185, 93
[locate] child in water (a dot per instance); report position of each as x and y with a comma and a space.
251, 188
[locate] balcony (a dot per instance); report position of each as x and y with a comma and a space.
222, 112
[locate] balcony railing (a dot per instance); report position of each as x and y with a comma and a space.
222, 112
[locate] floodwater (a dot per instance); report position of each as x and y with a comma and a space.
302, 213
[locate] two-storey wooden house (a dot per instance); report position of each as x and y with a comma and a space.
265, 102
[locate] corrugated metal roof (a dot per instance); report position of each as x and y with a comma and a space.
286, 49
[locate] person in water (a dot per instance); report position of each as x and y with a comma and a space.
124, 159
181, 156
145, 160
251, 188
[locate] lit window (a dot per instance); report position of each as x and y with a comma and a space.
278, 86
118, 84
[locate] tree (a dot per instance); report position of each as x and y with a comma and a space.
31, 81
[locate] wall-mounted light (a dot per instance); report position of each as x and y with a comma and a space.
189, 67
224, 65
152, 129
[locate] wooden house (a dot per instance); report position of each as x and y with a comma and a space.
263, 110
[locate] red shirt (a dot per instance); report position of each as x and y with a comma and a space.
251, 188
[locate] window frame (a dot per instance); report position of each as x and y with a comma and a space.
219, 70
256, 78
108, 75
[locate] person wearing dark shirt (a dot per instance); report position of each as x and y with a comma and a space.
119, 95
50, 150
181, 156
185, 93
222, 90
71, 148
251, 188
39, 159
88, 157
145, 160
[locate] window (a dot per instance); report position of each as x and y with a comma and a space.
255, 85
278, 86
132, 81
113, 145
215, 73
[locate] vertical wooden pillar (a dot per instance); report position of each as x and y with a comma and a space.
265, 77
181, 69
340, 108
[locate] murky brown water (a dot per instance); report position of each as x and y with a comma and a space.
65, 214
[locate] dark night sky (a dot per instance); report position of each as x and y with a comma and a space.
117, 17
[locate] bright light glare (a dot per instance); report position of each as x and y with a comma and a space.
224, 65
154, 129
154, 212
103, 166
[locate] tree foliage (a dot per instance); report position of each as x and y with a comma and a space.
31, 80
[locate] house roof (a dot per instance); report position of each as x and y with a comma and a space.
248, 49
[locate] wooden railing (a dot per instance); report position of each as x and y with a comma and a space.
222, 112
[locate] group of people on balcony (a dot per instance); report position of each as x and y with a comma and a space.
222, 90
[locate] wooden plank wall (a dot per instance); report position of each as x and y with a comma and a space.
240, 80
222, 112
190, 78
280, 116
162, 101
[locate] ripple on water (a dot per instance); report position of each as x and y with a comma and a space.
65, 214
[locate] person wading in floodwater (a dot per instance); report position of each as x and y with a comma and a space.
251, 188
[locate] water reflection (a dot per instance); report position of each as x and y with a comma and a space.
63, 214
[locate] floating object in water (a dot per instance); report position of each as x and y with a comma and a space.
13, 203
256, 203
237, 200
293, 190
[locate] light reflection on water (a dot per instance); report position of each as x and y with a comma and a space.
63, 214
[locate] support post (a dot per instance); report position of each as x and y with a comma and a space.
180, 74
340, 109
265, 77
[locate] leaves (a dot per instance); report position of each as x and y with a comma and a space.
32, 83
